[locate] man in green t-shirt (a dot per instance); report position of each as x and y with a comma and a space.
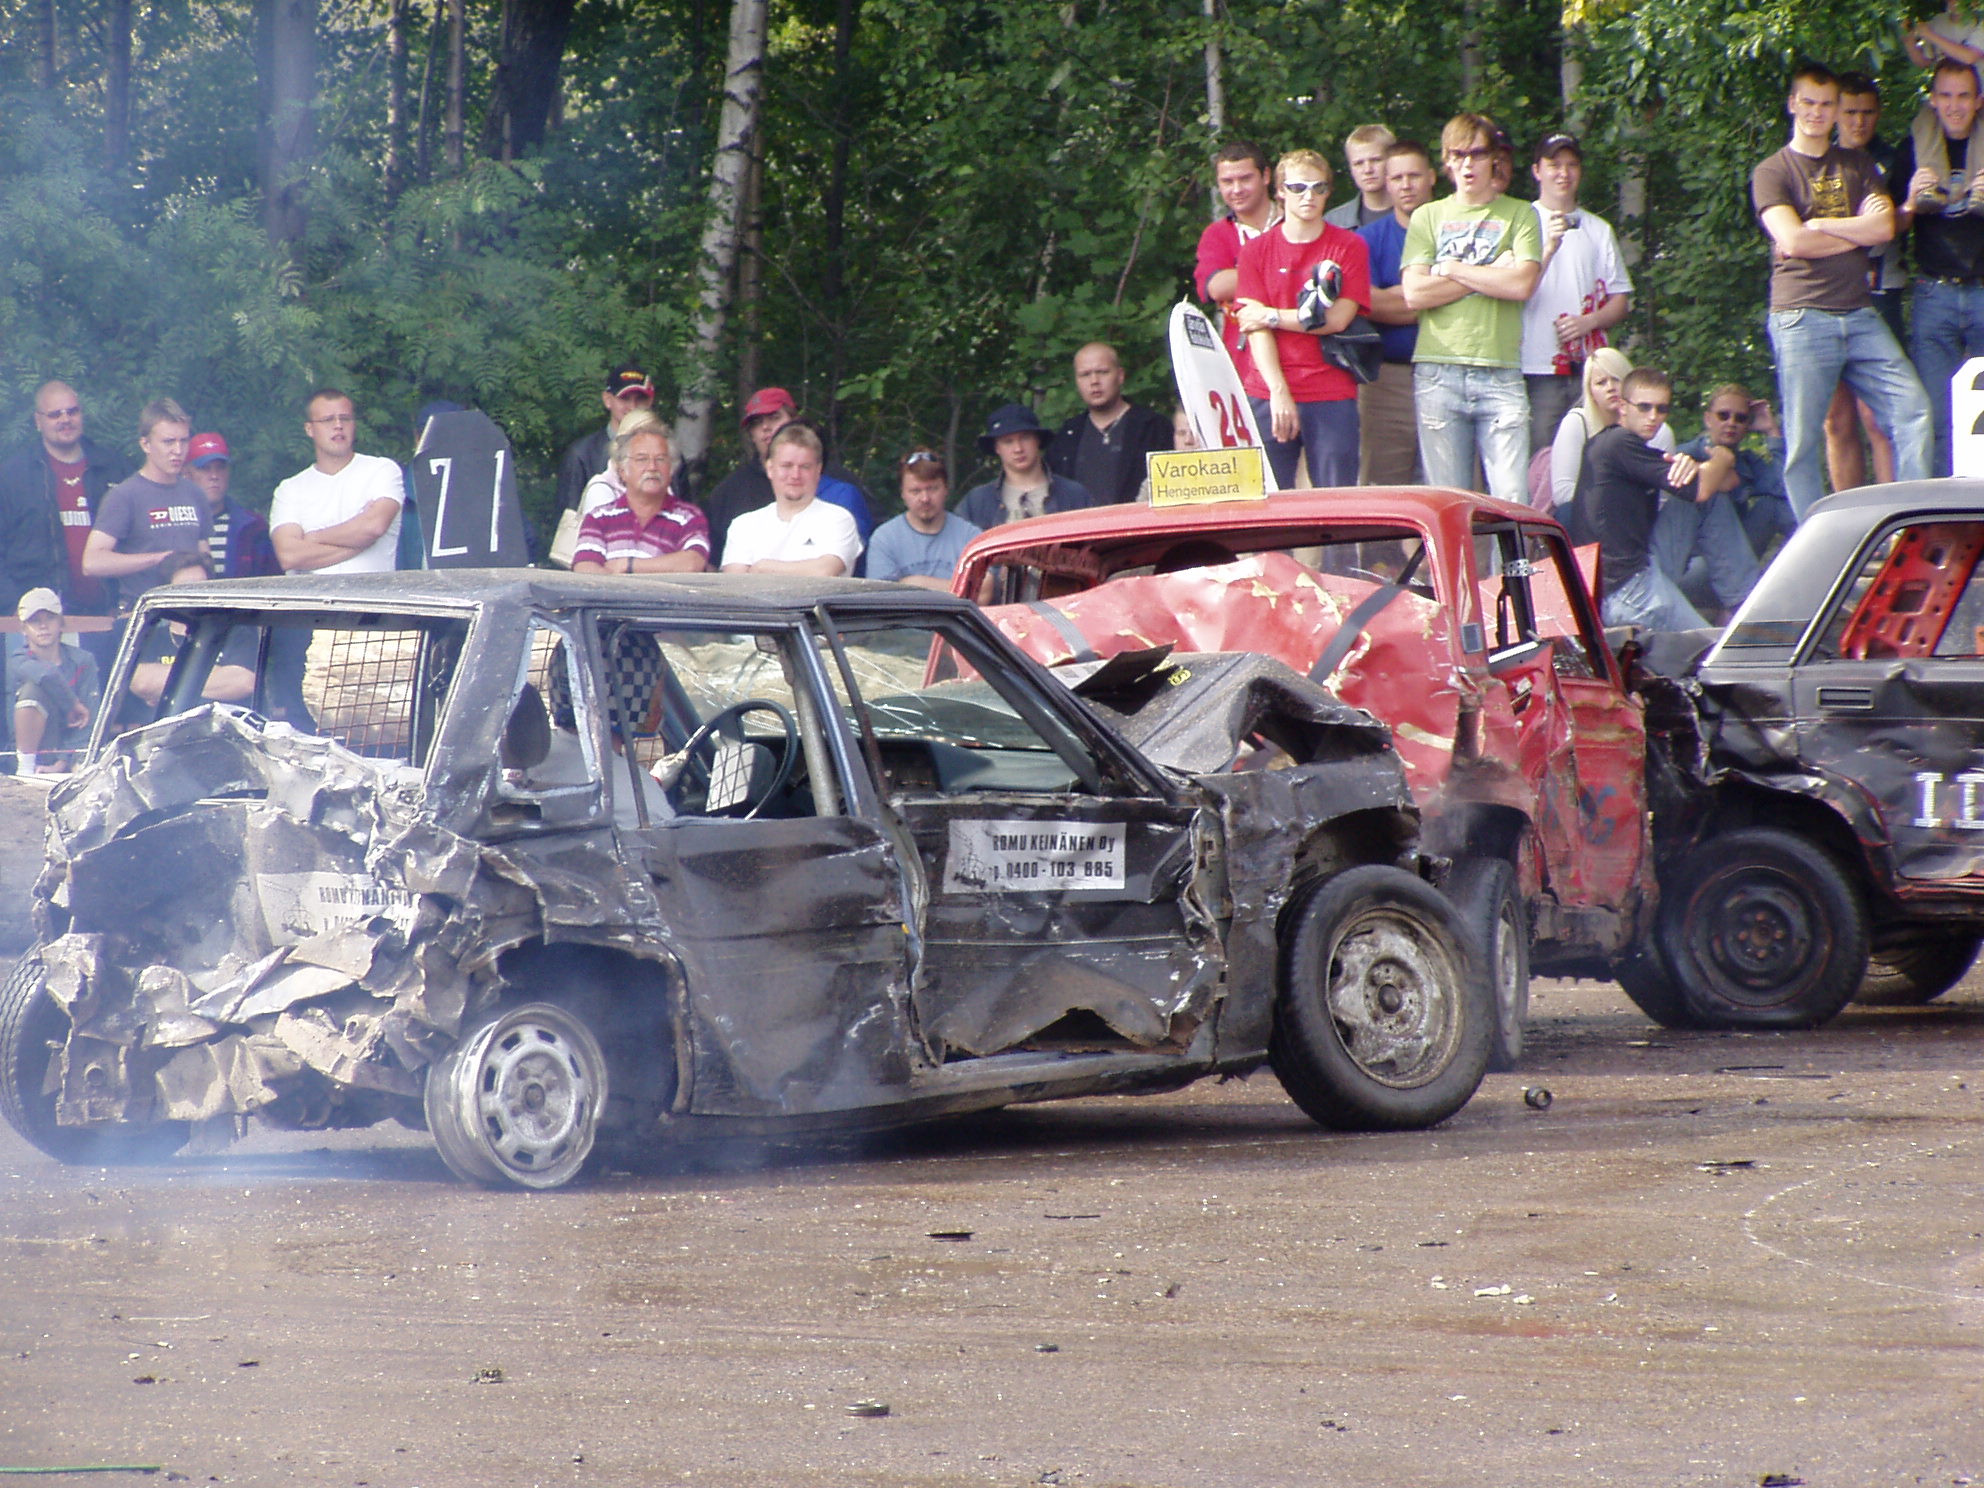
1470, 261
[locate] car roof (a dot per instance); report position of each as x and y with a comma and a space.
1428, 507
547, 588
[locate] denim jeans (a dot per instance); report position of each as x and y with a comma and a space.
1713, 531
1816, 350
1327, 435
1949, 330
1649, 598
1465, 410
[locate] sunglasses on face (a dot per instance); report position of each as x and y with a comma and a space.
1651, 407
1303, 188
1730, 415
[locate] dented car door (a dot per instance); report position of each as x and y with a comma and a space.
1058, 876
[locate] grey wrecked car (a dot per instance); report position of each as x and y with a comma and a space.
1818, 774
552, 864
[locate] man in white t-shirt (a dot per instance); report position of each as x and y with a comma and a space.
1584, 291
796, 534
342, 513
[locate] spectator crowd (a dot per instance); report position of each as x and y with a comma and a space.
1462, 339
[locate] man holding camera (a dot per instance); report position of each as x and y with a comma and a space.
1583, 293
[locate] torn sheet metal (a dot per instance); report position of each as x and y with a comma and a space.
225, 887
1400, 667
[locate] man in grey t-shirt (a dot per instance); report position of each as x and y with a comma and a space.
921, 546
1822, 208
157, 512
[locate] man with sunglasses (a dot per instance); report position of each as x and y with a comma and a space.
1754, 483
1300, 280
921, 546
49, 493
1620, 487
1823, 207
1471, 261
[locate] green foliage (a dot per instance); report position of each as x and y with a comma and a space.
1021, 176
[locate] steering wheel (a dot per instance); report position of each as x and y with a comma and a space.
723, 727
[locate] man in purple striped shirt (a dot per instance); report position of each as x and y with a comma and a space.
646, 530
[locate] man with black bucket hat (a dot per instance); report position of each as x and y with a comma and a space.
1025, 487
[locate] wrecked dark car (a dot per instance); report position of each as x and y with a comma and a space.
1818, 773
1465, 623
553, 864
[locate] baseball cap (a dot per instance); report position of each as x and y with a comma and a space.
768, 400
628, 378
207, 448
35, 601
1550, 144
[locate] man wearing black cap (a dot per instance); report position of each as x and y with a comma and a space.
1026, 487
627, 388
748, 487
1584, 290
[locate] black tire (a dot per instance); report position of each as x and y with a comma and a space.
519, 1097
1649, 981
1484, 891
1383, 1020
32, 1026
1763, 929
1917, 966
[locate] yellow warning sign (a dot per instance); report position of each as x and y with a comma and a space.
1196, 477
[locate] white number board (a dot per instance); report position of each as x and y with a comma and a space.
1967, 420
1209, 385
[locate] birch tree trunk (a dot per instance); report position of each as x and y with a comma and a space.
44, 46
117, 86
451, 130
396, 67
288, 42
737, 130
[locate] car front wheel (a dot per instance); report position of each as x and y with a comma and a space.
518, 1099
1384, 1018
1762, 929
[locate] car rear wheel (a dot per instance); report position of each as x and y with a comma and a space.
518, 1099
1919, 968
1484, 891
1383, 1022
32, 1027
1763, 930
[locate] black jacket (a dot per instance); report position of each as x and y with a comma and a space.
33, 551
1144, 430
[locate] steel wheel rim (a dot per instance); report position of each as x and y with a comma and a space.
1389, 1000
1760, 936
519, 1102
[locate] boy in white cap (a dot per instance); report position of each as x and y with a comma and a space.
56, 688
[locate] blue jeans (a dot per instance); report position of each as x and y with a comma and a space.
1649, 598
1465, 410
1713, 531
1327, 435
1949, 330
1816, 350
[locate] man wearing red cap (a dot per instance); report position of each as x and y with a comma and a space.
238, 540
749, 488
627, 388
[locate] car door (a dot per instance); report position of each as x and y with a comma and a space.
1889, 693
784, 907
1057, 872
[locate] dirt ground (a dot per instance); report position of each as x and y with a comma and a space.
1714, 1259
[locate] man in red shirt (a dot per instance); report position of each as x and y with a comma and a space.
1240, 175
49, 492
1303, 403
